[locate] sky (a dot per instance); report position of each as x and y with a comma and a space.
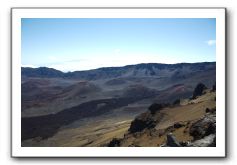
70, 44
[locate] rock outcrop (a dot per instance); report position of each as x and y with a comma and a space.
214, 88
114, 142
203, 132
170, 126
212, 110
176, 102
145, 120
203, 127
198, 91
155, 107
171, 141
207, 141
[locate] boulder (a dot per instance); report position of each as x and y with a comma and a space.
178, 125
146, 120
203, 127
208, 110
214, 88
176, 102
155, 108
114, 143
198, 91
185, 143
207, 141
171, 141
141, 122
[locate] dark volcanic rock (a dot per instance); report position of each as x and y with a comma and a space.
155, 108
178, 125
114, 143
208, 110
145, 120
184, 143
198, 91
213, 88
171, 141
203, 127
176, 102
141, 122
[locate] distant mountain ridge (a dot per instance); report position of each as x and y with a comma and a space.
138, 70
41, 72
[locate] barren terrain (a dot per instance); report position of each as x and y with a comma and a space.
90, 108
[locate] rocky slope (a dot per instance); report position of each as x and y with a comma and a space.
191, 123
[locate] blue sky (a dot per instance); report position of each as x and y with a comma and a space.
87, 43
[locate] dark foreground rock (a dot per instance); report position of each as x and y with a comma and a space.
203, 127
178, 125
171, 141
114, 143
145, 120
198, 91
155, 108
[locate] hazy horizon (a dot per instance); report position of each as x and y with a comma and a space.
27, 66
83, 44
